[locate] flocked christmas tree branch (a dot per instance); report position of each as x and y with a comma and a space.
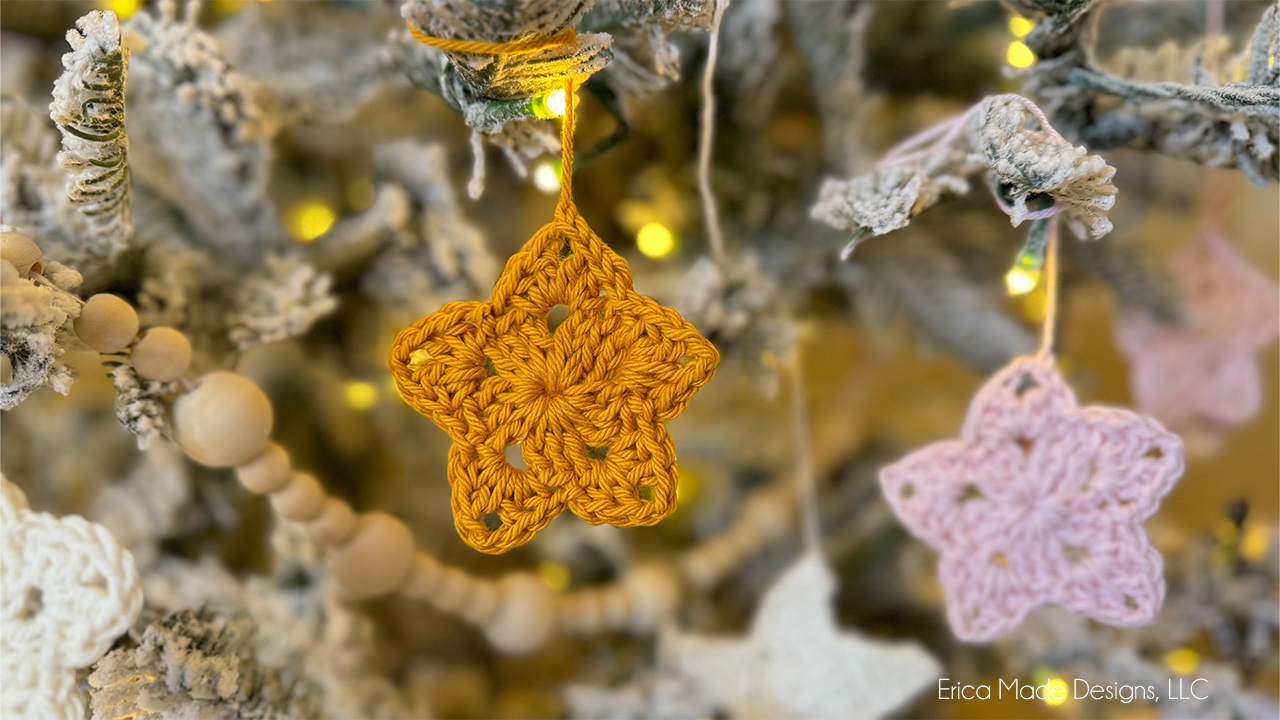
88, 107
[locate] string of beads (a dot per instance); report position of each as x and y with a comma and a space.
222, 419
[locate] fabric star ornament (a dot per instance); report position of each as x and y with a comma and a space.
67, 591
1039, 501
1205, 373
796, 663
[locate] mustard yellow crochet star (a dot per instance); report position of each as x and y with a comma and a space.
585, 401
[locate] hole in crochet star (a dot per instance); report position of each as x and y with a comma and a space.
1000, 559
491, 520
556, 316
515, 458
645, 492
490, 370
1074, 554
1130, 603
1025, 383
1154, 452
596, 453
907, 490
566, 249
418, 358
1026, 444
970, 492
32, 603
684, 359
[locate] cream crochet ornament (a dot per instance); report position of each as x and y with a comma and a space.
67, 591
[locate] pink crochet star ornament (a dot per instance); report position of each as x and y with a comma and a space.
1039, 501
1204, 373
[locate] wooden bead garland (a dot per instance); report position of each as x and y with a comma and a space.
162, 354
376, 559
24, 254
267, 472
300, 500
107, 323
333, 525
224, 422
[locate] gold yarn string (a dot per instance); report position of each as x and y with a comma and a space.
515, 47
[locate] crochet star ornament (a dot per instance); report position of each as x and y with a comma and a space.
796, 663
67, 591
584, 400
1204, 373
1039, 501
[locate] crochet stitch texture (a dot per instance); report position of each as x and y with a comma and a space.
585, 401
1040, 501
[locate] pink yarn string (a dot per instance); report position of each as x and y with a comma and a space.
1050, 293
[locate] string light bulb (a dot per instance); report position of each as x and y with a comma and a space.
1023, 277
122, 8
546, 176
1020, 26
1019, 281
1019, 55
361, 395
309, 220
1182, 661
655, 240
549, 105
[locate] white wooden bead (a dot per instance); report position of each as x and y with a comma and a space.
482, 602
376, 559
424, 578
162, 354
653, 594
267, 472
333, 525
24, 254
224, 422
107, 323
615, 607
300, 500
587, 612
526, 614
450, 594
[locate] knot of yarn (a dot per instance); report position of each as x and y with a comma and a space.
585, 400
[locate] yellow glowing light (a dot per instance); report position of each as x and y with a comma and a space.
1020, 26
1254, 544
555, 576
227, 7
1019, 55
687, 486
655, 240
550, 105
309, 220
1020, 282
546, 176
1058, 692
122, 8
361, 395
360, 193
1183, 661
